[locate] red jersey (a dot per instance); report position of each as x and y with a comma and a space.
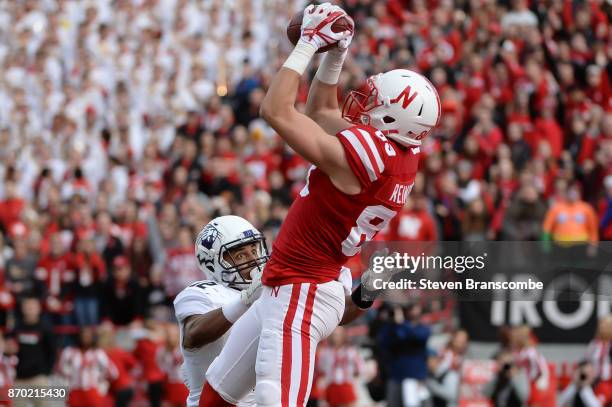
146, 353
124, 362
325, 227
86, 369
340, 365
412, 226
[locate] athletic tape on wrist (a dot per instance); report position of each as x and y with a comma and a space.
300, 57
234, 310
331, 67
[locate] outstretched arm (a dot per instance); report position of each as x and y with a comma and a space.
322, 105
201, 328
303, 134
198, 330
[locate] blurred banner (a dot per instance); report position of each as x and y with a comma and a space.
560, 291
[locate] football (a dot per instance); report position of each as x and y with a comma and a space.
294, 29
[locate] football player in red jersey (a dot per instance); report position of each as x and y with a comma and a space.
365, 159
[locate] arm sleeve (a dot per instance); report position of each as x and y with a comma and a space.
190, 302
363, 155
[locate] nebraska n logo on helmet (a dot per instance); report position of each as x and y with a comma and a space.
215, 244
405, 96
402, 104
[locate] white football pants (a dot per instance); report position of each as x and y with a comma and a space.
272, 346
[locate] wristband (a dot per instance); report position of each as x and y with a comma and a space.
300, 57
359, 301
234, 310
331, 66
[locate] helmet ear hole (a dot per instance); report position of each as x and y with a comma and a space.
388, 119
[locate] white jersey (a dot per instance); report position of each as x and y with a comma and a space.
200, 298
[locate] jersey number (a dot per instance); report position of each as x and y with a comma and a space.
372, 220
388, 147
203, 284
305, 191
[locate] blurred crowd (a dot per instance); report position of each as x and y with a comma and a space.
407, 370
125, 125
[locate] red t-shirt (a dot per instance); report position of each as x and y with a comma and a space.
146, 353
124, 361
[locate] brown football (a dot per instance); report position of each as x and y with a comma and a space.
294, 29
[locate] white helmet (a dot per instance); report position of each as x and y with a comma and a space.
402, 104
213, 246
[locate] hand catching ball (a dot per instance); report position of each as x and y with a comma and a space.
294, 29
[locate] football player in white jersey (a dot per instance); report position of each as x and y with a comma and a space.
231, 253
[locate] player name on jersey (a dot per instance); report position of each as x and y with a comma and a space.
400, 193
394, 192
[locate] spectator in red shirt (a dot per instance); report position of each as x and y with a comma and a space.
485, 130
56, 272
11, 205
122, 386
170, 360
414, 223
148, 343
86, 368
340, 364
549, 131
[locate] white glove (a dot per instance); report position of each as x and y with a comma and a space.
317, 23
253, 291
